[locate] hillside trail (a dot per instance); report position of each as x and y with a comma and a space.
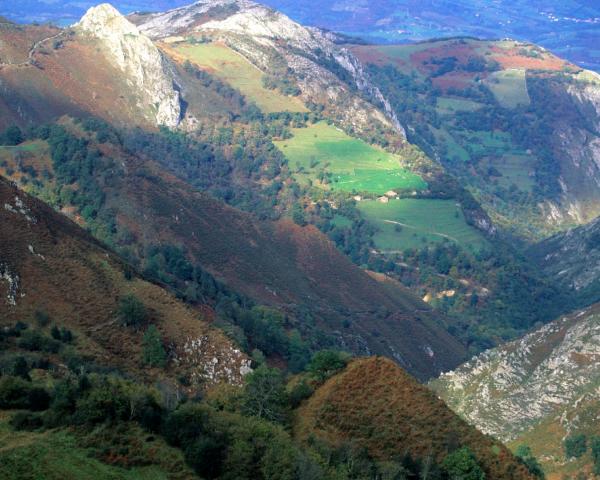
32, 50
443, 235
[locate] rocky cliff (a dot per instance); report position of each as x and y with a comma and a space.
144, 67
266, 37
511, 390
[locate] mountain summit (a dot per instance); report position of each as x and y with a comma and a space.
144, 67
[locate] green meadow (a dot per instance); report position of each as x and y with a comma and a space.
509, 87
234, 69
352, 165
411, 223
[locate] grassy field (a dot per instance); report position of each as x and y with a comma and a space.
515, 169
233, 68
509, 87
354, 165
448, 105
410, 223
56, 455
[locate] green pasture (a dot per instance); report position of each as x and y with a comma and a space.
353, 165
509, 87
236, 70
411, 223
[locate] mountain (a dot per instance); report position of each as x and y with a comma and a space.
61, 294
52, 268
572, 259
567, 28
513, 122
376, 405
282, 120
537, 391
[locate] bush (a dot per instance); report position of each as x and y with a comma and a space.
42, 318
16, 393
153, 352
26, 421
38, 342
132, 312
462, 465
575, 445
526, 456
327, 363
11, 136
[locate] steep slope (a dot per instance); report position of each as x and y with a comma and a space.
277, 46
572, 259
296, 269
142, 64
537, 390
49, 264
378, 406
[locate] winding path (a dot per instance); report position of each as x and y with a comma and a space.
32, 50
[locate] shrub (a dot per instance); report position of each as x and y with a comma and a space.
16, 393
12, 136
132, 312
462, 465
265, 395
526, 456
153, 352
575, 445
327, 363
20, 368
42, 318
37, 342
26, 421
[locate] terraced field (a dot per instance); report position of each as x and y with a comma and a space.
351, 165
233, 68
411, 223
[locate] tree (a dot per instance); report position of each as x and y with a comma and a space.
153, 351
132, 312
12, 136
462, 465
595, 447
327, 363
575, 445
265, 395
526, 456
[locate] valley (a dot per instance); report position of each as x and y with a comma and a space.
275, 246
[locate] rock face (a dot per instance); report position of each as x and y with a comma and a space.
262, 34
510, 390
572, 259
573, 113
144, 67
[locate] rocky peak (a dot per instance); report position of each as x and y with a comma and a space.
252, 29
144, 67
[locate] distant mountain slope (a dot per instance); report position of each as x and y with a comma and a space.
296, 269
572, 259
51, 265
376, 405
515, 123
536, 390
568, 28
